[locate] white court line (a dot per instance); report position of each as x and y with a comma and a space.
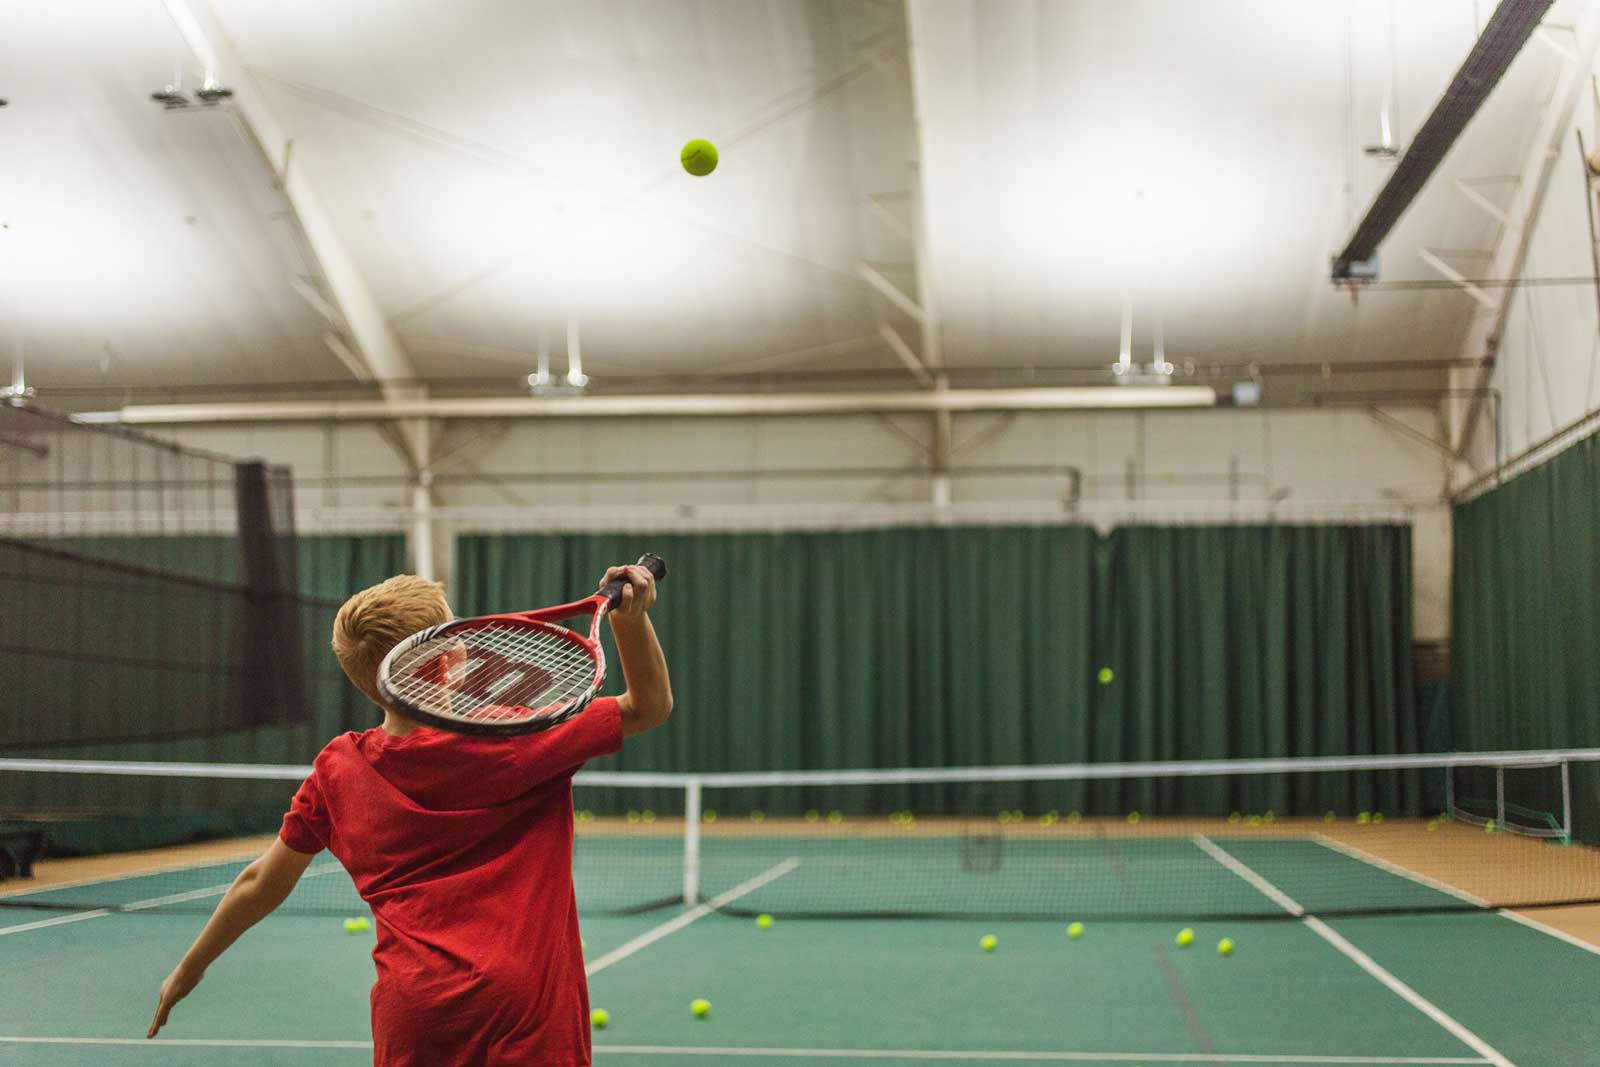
187, 1042
1460, 894
1356, 956
1013, 1056
694, 914
1402, 872
148, 902
824, 1053
59, 920
1261, 885
1533, 924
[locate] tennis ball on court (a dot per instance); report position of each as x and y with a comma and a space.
700, 1006
1225, 947
599, 1018
1105, 675
648, 816
1075, 931
758, 816
1329, 817
709, 815
1074, 818
1489, 827
1269, 816
1133, 817
699, 157
352, 926
1235, 818
764, 921
1254, 820
1377, 817
1363, 818
1185, 937
633, 816
836, 817
989, 942
363, 924
1433, 824
812, 815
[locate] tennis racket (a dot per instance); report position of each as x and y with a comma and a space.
504, 675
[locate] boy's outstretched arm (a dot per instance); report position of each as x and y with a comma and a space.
260, 887
648, 700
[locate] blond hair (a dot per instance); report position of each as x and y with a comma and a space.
376, 619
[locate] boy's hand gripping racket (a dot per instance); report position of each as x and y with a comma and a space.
504, 674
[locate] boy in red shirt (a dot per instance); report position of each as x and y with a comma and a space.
461, 845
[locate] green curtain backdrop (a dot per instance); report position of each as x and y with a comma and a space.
1244, 641
962, 646
1525, 662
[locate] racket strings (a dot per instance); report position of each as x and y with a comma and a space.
495, 673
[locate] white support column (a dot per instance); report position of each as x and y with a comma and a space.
418, 435
374, 342
927, 287
1522, 215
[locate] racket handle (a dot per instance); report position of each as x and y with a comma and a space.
612, 590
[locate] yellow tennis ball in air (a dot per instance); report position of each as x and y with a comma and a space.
599, 1018
764, 921
989, 942
700, 1006
699, 157
1075, 931
1105, 675
1185, 937
1225, 947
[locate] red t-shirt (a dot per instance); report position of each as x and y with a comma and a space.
463, 848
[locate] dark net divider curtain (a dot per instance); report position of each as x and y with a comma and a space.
143, 812
1525, 663
964, 646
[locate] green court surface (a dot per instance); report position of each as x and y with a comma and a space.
1464, 988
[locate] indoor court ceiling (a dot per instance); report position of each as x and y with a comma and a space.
500, 169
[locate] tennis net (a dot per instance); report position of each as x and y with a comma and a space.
1235, 838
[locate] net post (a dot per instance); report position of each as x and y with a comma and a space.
1450, 791
1566, 802
1500, 796
691, 840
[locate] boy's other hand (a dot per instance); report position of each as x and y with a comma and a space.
179, 984
637, 595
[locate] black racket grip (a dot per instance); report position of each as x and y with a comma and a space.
612, 590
